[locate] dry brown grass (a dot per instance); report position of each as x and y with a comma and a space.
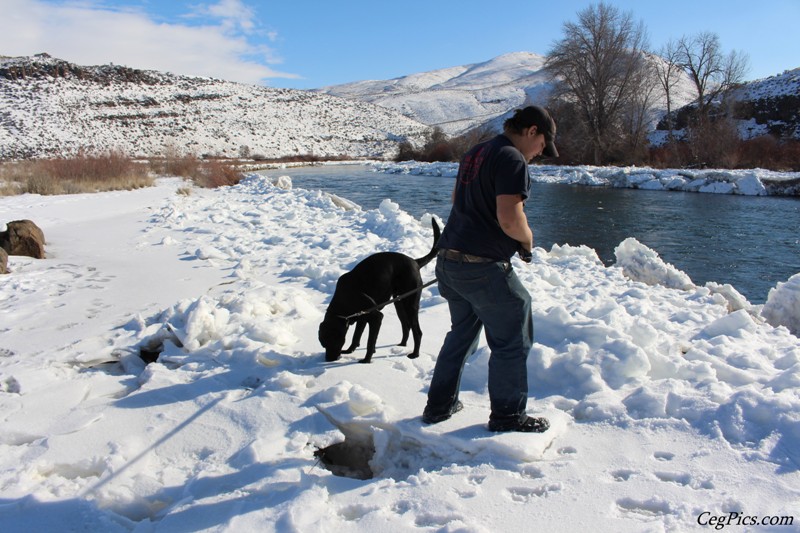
80, 174
114, 171
184, 166
210, 173
213, 174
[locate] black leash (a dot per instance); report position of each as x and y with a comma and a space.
395, 299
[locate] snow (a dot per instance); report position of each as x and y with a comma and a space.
457, 99
749, 182
462, 98
667, 400
783, 304
643, 264
150, 113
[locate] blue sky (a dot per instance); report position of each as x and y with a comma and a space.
308, 44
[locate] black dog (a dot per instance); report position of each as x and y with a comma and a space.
373, 282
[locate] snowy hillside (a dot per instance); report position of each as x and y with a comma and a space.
766, 106
770, 105
51, 107
458, 99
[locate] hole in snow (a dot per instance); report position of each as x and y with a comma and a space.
349, 458
150, 353
151, 348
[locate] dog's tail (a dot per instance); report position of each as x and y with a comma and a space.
422, 261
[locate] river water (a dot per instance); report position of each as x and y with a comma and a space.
750, 242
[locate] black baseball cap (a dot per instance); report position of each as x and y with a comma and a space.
534, 115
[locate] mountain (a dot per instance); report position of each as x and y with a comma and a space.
457, 99
50, 107
765, 106
773, 104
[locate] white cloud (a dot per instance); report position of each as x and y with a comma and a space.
232, 13
226, 47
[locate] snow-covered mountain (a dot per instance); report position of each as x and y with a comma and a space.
457, 99
765, 106
50, 107
770, 105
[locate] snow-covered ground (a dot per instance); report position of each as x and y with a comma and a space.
58, 109
751, 182
674, 407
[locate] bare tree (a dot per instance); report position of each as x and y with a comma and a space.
668, 71
712, 72
598, 63
637, 114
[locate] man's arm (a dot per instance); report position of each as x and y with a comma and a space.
512, 219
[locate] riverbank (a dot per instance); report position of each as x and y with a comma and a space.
751, 182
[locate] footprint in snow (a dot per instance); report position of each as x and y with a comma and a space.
10, 385
526, 494
531, 472
623, 474
354, 513
653, 507
4, 352
684, 479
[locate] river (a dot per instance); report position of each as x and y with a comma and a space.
750, 242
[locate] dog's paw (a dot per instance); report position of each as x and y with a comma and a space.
365, 361
413, 355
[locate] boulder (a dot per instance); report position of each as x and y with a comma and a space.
23, 237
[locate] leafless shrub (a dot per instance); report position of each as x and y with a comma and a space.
85, 168
713, 143
79, 174
437, 148
299, 158
215, 173
762, 152
172, 164
723, 150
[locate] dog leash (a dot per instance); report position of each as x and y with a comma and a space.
395, 299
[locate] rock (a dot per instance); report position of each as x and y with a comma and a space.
23, 237
3, 261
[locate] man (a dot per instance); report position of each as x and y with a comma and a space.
486, 227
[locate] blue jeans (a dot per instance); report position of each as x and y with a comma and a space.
484, 296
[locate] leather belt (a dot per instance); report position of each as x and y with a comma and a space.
455, 255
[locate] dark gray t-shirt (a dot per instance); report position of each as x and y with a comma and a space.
489, 169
